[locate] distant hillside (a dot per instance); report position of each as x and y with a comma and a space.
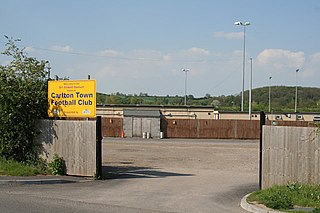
282, 100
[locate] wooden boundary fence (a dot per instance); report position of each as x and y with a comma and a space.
201, 128
112, 127
290, 154
208, 128
74, 141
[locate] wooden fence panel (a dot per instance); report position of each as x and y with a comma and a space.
208, 128
222, 129
290, 154
112, 127
74, 141
180, 128
201, 128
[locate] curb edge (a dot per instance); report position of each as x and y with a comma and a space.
253, 208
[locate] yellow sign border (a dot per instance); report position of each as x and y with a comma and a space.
72, 98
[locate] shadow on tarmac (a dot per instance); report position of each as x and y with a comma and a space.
126, 172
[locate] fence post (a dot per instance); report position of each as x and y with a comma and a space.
262, 123
98, 148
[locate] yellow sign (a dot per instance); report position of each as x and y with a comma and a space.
72, 98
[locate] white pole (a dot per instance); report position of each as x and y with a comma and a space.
185, 86
250, 91
243, 66
239, 23
296, 97
270, 94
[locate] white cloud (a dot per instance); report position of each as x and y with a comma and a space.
5, 63
66, 48
194, 51
281, 59
110, 53
315, 58
146, 55
312, 66
30, 49
237, 54
167, 58
232, 35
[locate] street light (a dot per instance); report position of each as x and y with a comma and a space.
250, 91
296, 98
185, 85
270, 94
239, 23
48, 67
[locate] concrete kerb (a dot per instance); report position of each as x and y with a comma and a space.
39, 180
50, 181
255, 208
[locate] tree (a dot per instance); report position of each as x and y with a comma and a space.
207, 95
216, 103
23, 100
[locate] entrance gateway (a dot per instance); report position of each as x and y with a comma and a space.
77, 141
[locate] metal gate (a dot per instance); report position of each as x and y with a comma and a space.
140, 125
136, 127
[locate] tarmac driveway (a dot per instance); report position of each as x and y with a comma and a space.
154, 176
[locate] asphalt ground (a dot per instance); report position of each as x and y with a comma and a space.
150, 176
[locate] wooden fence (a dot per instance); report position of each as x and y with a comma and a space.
112, 127
201, 128
208, 128
74, 141
290, 154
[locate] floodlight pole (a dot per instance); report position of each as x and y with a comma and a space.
48, 68
185, 85
239, 23
270, 94
296, 96
250, 92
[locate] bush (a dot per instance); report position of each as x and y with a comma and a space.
23, 100
57, 166
277, 199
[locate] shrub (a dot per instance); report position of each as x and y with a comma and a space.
23, 100
57, 166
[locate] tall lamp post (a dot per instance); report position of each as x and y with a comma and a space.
270, 94
185, 85
250, 91
239, 23
48, 68
296, 97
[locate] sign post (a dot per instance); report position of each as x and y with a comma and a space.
72, 98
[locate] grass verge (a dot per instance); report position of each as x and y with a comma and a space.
287, 197
13, 168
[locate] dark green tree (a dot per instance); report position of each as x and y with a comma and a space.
23, 100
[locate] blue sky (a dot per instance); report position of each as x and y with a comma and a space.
133, 46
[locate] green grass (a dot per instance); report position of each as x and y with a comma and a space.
13, 168
286, 197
